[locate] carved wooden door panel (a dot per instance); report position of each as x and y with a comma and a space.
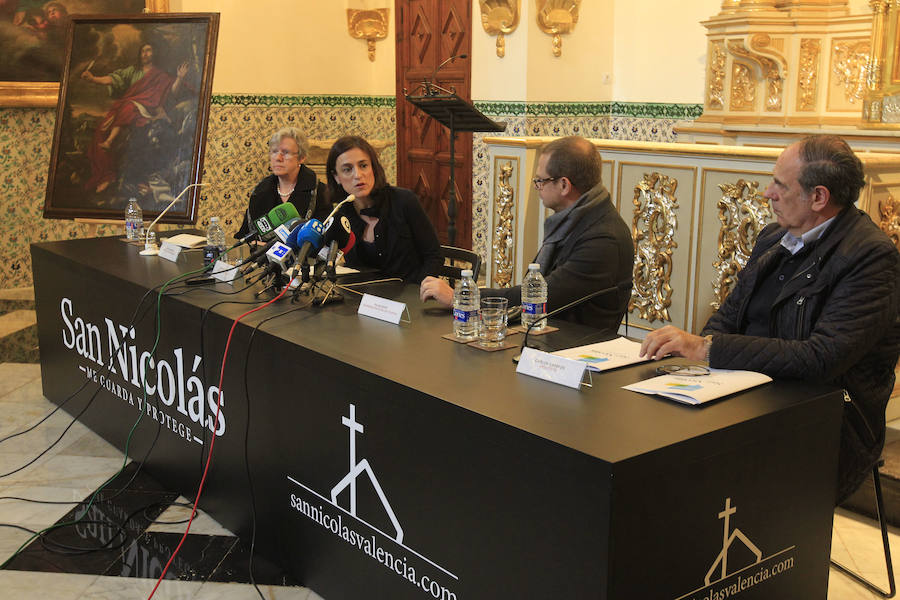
428, 32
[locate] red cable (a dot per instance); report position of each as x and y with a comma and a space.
213, 442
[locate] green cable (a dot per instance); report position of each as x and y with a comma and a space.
130, 433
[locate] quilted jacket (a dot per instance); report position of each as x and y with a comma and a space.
835, 321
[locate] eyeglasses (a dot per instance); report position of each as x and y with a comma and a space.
540, 181
284, 153
683, 370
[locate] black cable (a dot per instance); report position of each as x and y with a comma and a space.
247, 437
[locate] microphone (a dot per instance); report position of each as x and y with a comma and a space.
264, 228
150, 248
281, 257
441, 66
282, 213
283, 231
337, 235
621, 286
349, 198
308, 239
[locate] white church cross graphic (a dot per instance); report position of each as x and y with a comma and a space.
355, 469
727, 541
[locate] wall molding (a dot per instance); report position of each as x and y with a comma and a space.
646, 110
250, 100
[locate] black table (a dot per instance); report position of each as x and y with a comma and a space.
454, 477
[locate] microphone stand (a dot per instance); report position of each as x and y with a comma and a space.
151, 249
556, 311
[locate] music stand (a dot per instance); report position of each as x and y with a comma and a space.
456, 114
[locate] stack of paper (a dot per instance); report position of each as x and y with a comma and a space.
701, 388
605, 355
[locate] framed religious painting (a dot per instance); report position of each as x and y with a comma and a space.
132, 116
32, 43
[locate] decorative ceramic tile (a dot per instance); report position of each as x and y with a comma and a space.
239, 127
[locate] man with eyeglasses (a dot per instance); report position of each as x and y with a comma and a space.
818, 299
587, 246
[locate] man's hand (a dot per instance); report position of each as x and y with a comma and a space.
438, 289
674, 341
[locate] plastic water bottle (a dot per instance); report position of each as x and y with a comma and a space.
534, 298
466, 307
134, 220
215, 237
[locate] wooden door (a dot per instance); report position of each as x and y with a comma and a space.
428, 32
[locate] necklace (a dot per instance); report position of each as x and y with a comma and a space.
287, 193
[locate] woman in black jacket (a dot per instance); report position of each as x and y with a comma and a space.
290, 181
393, 233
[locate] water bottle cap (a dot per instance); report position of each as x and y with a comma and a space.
534, 267
466, 272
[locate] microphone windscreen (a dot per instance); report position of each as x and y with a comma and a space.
351, 241
310, 232
338, 230
282, 213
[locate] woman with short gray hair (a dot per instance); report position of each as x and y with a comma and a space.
290, 181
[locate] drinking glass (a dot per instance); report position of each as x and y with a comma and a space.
493, 320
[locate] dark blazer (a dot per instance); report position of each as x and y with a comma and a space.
265, 197
835, 321
597, 253
406, 244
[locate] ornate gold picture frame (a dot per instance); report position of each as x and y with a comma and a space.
32, 44
132, 115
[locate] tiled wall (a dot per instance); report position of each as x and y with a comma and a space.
236, 158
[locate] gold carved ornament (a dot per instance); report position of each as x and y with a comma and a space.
369, 25
500, 18
849, 62
773, 75
890, 219
653, 229
556, 17
743, 88
504, 243
808, 76
716, 91
743, 212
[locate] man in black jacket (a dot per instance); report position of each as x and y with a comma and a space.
587, 246
818, 299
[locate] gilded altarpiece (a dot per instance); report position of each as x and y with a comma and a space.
786, 64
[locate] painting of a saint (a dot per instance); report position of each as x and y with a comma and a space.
132, 99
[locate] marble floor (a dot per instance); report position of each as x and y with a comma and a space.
215, 565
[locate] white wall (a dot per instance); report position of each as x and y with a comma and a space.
660, 48
652, 51
293, 47
531, 72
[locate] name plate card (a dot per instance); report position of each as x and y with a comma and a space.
381, 308
554, 369
224, 272
170, 251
